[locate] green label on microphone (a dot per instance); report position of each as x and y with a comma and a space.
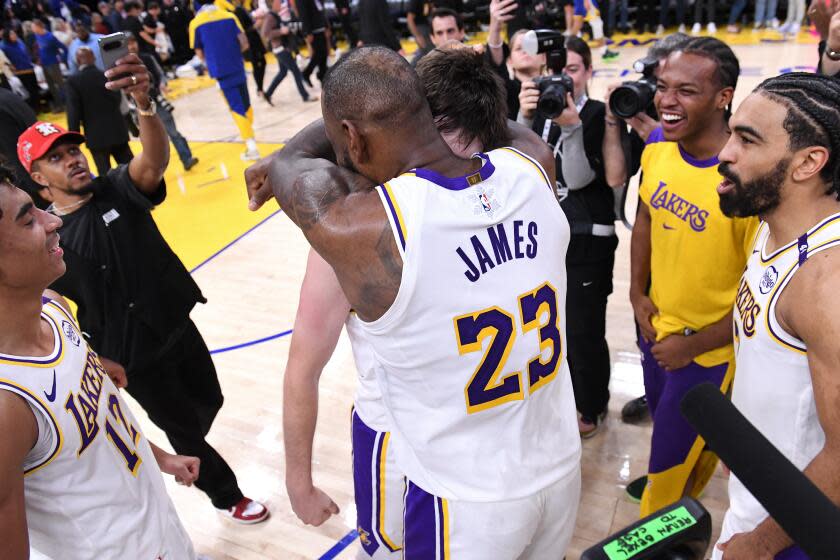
634, 541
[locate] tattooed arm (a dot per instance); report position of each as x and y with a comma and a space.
343, 219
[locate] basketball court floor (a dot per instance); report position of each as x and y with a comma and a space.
250, 266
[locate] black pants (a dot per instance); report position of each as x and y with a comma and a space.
102, 157
182, 396
647, 14
318, 57
589, 286
349, 31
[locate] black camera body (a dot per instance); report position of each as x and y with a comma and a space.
553, 92
631, 98
555, 87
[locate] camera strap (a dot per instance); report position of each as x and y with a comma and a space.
548, 122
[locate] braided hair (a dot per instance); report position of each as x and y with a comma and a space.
719, 52
812, 116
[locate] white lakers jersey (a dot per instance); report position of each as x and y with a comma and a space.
471, 356
368, 402
773, 382
93, 488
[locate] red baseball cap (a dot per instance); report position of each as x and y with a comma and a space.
37, 140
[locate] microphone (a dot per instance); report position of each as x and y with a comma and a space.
797, 505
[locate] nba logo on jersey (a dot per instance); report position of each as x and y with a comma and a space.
70, 333
487, 202
768, 280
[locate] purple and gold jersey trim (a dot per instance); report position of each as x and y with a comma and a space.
32, 399
459, 183
396, 213
657, 136
381, 455
533, 162
52, 360
782, 250
427, 525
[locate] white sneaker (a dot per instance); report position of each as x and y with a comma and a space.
660, 30
774, 23
794, 29
681, 28
784, 28
711, 28
696, 28
757, 26
250, 155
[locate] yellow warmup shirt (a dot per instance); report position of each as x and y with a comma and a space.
697, 254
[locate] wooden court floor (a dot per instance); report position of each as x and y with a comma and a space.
250, 267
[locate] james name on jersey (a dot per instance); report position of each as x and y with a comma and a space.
503, 250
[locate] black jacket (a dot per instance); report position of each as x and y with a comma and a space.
98, 109
375, 25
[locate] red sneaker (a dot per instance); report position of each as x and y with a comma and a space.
247, 512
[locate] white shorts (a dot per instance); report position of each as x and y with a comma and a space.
379, 490
536, 527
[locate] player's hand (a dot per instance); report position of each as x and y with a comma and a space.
257, 183
312, 505
529, 95
115, 371
643, 124
745, 546
570, 115
131, 76
502, 10
644, 310
673, 352
184, 469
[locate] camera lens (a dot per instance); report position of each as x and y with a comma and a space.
552, 102
631, 98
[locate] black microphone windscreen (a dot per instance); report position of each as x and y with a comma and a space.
802, 510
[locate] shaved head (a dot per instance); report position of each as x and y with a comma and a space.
374, 85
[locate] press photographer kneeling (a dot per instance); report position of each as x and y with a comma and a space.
558, 108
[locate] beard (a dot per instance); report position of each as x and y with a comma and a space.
756, 197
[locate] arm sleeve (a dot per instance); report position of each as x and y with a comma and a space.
577, 172
125, 188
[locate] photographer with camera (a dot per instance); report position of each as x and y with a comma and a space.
525, 66
689, 255
558, 108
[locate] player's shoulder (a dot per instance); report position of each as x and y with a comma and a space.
510, 158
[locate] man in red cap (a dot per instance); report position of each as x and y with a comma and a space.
134, 294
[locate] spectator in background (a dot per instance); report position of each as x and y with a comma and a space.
7, 72
113, 15
158, 85
315, 28
15, 117
176, 16
765, 14
98, 24
15, 50
156, 30
61, 31
52, 53
256, 49
709, 6
345, 16
135, 26
828, 24
97, 109
84, 38
586, 196
278, 32
219, 40
447, 25
376, 26
417, 18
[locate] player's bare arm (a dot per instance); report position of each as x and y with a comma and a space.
810, 310
18, 434
343, 219
321, 313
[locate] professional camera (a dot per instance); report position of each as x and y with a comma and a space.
555, 87
631, 98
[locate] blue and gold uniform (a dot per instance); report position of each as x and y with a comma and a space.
697, 257
216, 32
